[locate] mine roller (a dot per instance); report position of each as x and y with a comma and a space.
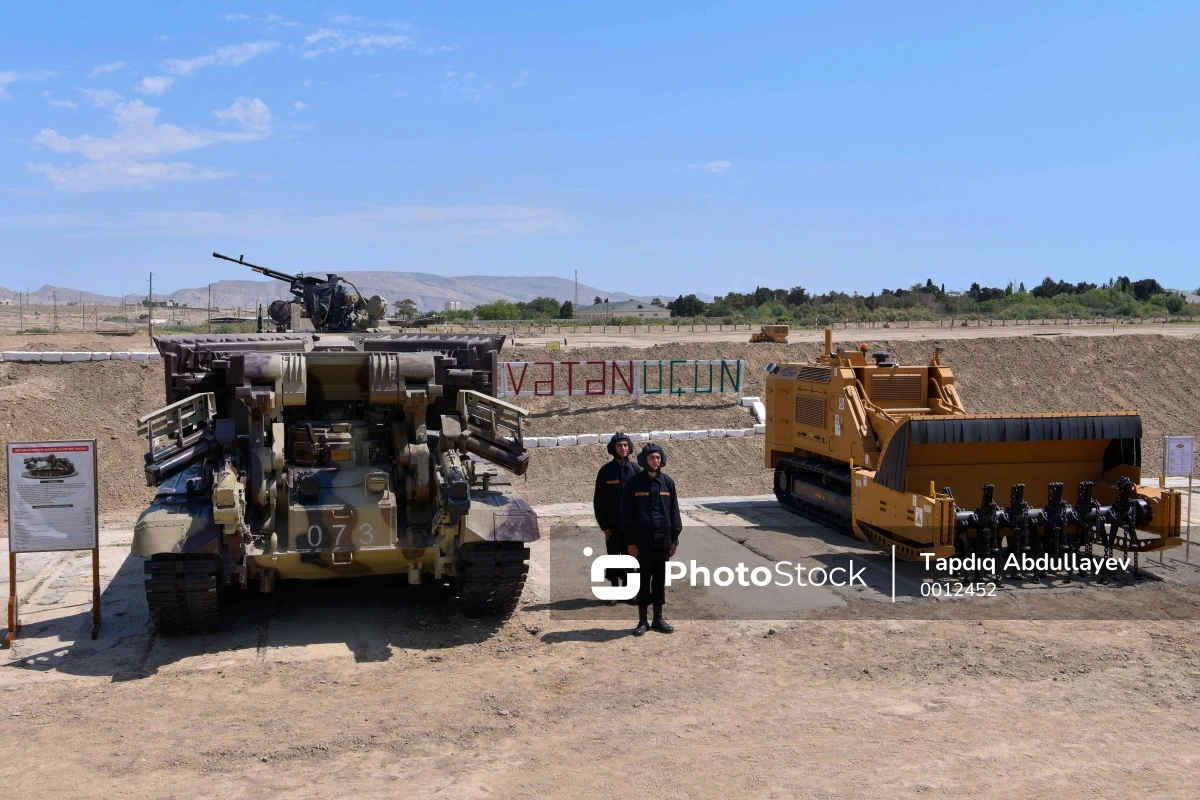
331, 447
887, 452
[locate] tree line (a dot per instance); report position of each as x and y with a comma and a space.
1118, 297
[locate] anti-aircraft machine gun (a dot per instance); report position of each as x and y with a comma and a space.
337, 453
332, 304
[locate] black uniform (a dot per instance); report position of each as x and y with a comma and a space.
650, 517
606, 503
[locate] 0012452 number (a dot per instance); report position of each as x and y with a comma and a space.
954, 589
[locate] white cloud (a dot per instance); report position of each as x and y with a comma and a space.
232, 55
156, 86
335, 40
409, 223
121, 174
274, 19
127, 158
235, 17
101, 98
64, 104
465, 85
110, 67
6, 78
299, 106
520, 79
10, 76
715, 167
306, 82
252, 115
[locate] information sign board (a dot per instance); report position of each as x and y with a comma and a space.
52, 496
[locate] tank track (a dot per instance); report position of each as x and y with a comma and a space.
818, 473
181, 591
491, 578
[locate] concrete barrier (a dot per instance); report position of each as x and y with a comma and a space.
71, 357
139, 356
589, 439
760, 412
118, 356
51, 357
101, 356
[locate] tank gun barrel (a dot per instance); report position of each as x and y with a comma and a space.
270, 273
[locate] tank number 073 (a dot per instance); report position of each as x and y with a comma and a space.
337, 535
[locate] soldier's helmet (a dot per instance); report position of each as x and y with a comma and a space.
619, 437
647, 449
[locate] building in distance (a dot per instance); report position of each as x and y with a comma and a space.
625, 308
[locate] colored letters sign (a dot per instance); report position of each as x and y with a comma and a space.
599, 378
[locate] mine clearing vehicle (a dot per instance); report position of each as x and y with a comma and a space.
888, 452
339, 452
771, 333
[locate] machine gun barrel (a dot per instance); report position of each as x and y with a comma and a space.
270, 273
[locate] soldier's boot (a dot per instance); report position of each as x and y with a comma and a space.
660, 624
642, 625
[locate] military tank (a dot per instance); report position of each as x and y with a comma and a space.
342, 451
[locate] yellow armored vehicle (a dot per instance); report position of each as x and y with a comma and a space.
337, 453
888, 451
771, 333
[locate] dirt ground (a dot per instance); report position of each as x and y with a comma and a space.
366, 692
1155, 374
352, 690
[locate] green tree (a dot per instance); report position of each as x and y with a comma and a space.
596, 300
406, 309
539, 308
687, 306
567, 311
501, 309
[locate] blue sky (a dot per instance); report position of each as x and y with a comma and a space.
657, 148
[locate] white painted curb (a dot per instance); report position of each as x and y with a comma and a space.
56, 356
586, 439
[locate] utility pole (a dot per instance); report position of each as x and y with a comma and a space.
576, 289
83, 314
210, 308
54, 295
150, 307
21, 308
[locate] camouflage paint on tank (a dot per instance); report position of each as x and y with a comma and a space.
178, 521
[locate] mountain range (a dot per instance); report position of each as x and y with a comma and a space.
431, 292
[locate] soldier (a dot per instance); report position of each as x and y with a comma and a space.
650, 518
606, 502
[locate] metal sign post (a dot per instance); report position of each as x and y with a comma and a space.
53, 501
1177, 462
